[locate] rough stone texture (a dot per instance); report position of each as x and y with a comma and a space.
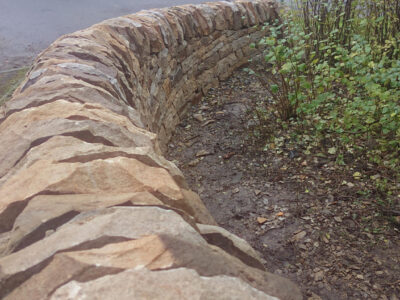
176, 284
89, 208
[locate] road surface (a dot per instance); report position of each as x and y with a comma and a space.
29, 26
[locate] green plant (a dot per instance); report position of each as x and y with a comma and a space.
336, 83
333, 76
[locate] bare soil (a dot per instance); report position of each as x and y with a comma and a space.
293, 208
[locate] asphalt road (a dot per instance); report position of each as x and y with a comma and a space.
29, 26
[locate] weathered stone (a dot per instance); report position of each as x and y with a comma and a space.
234, 15
110, 175
128, 222
240, 43
251, 12
231, 244
175, 24
47, 212
225, 50
177, 284
89, 122
177, 245
75, 91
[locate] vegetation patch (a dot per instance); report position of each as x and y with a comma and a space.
9, 81
312, 221
310, 175
332, 72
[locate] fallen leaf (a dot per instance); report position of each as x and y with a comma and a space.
198, 117
332, 150
257, 192
350, 184
203, 153
319, 276
207, 122
261, 220
314, 297
375, 177
303, 247
298, 236
369, 235
229, 155
236, 190
194, 162
280, 214
357, 175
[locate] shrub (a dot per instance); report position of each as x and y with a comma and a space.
336, 75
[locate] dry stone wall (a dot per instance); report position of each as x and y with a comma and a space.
89, 208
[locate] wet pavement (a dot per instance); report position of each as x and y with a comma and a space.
27, 27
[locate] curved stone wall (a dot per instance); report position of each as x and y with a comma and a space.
88, 205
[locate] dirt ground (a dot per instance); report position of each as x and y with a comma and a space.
293, 208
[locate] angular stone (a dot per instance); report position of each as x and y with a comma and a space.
260, 11
90, 122
70, 149
123, 222
48, 212
175, 24
241, 43
232, 244
177, 245
72, 90
177, 284
204, 24
111, 175
251, 12
209, 14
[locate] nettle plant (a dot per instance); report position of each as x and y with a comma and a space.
338, 83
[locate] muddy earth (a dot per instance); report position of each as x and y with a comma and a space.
290, 207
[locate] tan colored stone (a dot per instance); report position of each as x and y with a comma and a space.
118, 175
122, 222
92, 122
176, 245
47, 212
70, 149
72, 90
176, 284
148, 252
232, 244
